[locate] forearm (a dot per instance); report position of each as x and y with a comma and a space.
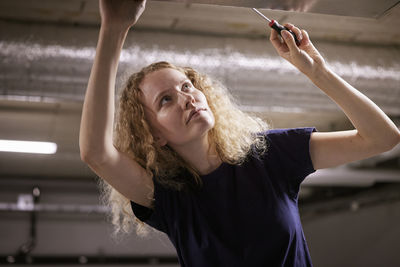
96, 130
370, 121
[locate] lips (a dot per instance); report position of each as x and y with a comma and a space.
193, 112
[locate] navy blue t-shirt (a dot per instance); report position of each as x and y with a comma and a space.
244, 215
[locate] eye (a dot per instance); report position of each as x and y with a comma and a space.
165, 99
186, 86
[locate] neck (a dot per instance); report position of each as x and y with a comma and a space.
201, 155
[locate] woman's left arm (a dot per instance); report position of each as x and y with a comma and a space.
375, 133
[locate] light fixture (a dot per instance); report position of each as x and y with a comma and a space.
27, 146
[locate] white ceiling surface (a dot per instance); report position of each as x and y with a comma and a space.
46, 50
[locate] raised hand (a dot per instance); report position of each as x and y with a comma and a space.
305, 57
121, 13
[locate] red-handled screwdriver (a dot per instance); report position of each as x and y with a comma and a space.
276, 26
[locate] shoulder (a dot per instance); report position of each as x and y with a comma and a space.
288, 132
289, 141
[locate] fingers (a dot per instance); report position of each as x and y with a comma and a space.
306, 38
289, 40
296, 31
274, 38
289, 43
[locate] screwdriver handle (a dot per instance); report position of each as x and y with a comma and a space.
278, 27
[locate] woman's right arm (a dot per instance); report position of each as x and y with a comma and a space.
96, 130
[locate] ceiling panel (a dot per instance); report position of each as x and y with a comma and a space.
189, 17
354, 8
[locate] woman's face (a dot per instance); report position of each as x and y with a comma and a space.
178, 112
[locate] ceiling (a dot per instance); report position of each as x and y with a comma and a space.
47, 47
361, 21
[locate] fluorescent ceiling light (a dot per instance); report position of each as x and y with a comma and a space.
27, 147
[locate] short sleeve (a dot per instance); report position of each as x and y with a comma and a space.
152, 216
289, 153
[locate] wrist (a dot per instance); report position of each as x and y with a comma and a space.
113, 34
114, 28
320, 73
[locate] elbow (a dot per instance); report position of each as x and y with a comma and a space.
385, 143
89, 156
84, 152
92, 157
85, 156
95, 161
396, 140
392, 142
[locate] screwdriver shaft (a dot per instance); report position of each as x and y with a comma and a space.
276, 26
261, 14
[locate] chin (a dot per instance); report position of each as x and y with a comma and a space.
208, 123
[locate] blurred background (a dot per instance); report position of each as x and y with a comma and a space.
50, 212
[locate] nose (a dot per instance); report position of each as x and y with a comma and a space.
186, 100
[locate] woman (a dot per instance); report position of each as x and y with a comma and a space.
221, 185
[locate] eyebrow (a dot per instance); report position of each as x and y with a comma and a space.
166, 90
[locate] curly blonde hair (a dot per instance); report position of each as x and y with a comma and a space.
233, 135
